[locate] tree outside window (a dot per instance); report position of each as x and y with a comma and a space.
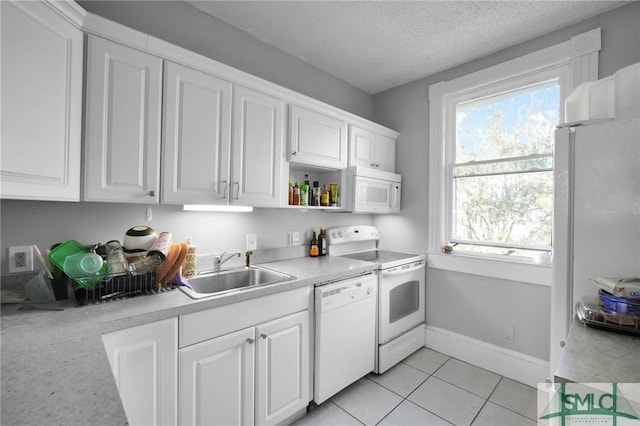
502, 175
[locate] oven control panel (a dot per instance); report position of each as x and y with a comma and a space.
349, 234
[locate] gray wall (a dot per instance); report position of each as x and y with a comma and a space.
188, 27
470, 305
45, 223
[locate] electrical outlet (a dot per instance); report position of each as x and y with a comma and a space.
252, 241
510, 332
20, 259
294, 238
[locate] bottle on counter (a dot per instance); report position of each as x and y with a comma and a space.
189, 267
324, 196
322, 243
314, 251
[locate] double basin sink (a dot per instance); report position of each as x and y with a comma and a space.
245, 278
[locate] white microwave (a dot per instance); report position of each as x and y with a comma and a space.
373, 191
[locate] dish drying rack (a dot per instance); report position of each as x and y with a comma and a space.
114, 287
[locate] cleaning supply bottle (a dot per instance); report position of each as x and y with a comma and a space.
189, 267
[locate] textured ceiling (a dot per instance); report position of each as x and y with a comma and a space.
376, 45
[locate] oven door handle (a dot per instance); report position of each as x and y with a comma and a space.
400, 270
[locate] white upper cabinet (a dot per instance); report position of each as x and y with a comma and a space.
385, 153
317, 139
196, 137
258, 146
368, 148
41, 103
202, 164
122, 142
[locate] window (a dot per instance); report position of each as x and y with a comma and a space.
502, 171
491, 160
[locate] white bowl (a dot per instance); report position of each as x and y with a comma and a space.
139, 239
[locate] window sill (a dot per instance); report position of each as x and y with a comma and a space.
512, 270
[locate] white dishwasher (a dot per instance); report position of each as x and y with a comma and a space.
345, 338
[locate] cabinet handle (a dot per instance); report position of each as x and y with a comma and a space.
250, 340
237, 190
372, 165
152, 193
294, 153
264, 335
562, 343
226, 186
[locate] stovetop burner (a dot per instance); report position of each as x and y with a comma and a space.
361, 243
379, 256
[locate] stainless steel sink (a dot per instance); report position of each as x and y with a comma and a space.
217, 283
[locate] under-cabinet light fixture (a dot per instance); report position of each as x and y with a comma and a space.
215, 208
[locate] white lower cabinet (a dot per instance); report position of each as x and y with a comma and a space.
282, 368
216, 380
257, 375
144, 363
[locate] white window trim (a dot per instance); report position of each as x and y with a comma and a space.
574, 62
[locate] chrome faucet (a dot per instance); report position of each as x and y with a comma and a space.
218, 260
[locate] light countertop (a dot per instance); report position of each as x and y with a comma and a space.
54, 367
593, 355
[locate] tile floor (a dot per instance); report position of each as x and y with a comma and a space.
429, 388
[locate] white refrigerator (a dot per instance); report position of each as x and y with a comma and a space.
596, 214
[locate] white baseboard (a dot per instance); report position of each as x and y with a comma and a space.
514, 365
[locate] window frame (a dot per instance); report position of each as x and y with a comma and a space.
511, 84
571, 63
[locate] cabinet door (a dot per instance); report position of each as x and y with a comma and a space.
282, 368
216, 381
144, 362
316, 139
257, 149
122, 143
361, 149
197, 138
370, 149
41, 103
384, 153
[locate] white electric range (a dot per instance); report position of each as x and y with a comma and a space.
401, 291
